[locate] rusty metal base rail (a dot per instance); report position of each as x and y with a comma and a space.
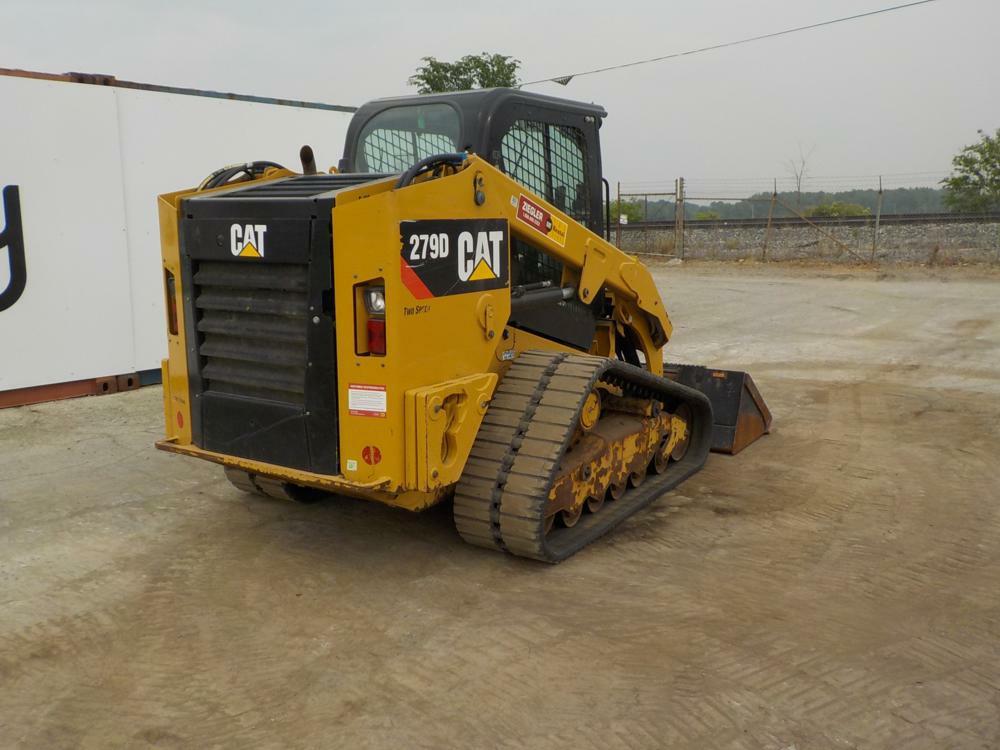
76, 388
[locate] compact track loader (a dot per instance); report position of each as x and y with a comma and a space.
440, 318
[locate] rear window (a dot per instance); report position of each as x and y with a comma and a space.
550, 160
393, 140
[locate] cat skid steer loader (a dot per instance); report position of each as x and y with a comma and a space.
442, 317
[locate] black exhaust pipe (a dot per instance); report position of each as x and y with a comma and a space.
307, 159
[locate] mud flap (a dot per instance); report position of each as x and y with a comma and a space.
740, 414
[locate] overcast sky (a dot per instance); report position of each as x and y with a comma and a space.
893, 94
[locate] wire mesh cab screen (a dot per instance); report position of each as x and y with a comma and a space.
549, 160
394, 140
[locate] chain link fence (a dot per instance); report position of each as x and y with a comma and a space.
893, 218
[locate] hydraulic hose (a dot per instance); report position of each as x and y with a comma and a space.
425, 164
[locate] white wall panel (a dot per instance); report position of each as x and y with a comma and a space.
59, 143
90, 161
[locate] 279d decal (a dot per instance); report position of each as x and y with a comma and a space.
440, 257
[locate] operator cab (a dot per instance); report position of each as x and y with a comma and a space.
549, 145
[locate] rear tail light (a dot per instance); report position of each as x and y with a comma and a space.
171, 287
376, 336
374, 324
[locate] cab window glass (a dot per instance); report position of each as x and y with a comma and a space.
397, 138
549, 160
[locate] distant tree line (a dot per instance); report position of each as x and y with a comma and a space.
841, 203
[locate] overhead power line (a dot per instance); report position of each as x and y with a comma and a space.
565, 79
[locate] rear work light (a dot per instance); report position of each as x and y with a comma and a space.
375, 300
374, 297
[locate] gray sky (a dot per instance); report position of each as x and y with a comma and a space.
896, 93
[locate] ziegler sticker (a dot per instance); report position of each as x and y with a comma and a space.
541, 220
366, 400
440, 257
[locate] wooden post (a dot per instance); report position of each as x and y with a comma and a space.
770, 215
618, 217
680, 217
676, 214
878, 219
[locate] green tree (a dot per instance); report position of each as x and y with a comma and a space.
631, 210
707, 215
482, 71
836, 208
974, 185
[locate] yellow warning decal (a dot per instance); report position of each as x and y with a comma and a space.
482, 272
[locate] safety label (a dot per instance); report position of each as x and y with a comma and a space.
537, 217
366, 400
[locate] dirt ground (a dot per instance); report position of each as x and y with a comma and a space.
836, 585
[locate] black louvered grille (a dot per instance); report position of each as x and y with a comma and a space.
252, 321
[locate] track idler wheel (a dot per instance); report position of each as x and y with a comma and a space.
680, 450
661, 459
617, 491
570, 517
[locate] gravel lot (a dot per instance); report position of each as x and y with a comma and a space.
835, 585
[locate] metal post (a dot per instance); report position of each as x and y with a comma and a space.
677, 221
618, 217
680, 215
645, 218
770, 215
878, 219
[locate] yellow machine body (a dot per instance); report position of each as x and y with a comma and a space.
444, 355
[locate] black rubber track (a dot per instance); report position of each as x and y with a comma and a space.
501, 499
269, 487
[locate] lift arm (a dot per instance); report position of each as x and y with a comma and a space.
594, 264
